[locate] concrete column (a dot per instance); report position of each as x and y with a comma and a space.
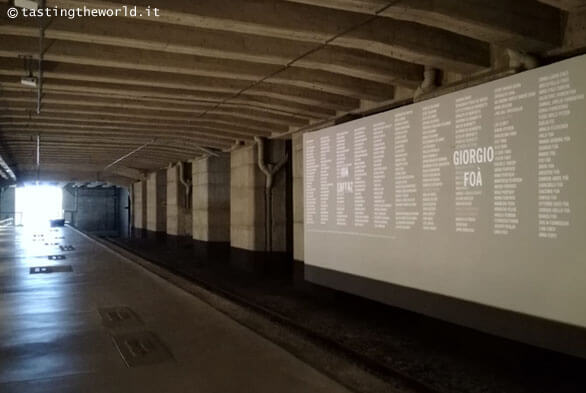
298, 212
139, 205
247, 199
178, 213
156, 201
211, 199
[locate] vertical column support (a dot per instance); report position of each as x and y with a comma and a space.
247, 199
139, 207
211, 199
155, 201
179, 220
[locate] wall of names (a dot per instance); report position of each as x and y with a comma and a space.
478, 194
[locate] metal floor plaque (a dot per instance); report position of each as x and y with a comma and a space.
119, 317
50, 269
56, 257
141, 349
67, 248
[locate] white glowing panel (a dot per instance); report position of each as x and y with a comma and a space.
478, 195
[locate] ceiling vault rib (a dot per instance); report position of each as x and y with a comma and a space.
302, 56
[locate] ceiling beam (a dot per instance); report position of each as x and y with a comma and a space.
27, 105
268, 91
567, 5
407, 41
120, 100
143, 163
249, 128
365, 65
89, 145
320, 81
66, 127
116, 65
524, 25
63, 129
120, 170
209, 72
214, 53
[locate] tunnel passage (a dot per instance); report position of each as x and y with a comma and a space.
397, 182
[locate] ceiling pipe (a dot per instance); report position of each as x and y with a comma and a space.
230, 149
428, 83
41, 55
237, 144
124, 157
38, 151
203, 157
186, 184
269, 170
522, 60
320, 124
38, 157
475, 80
209, 152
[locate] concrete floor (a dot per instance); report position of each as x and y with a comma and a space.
53, 339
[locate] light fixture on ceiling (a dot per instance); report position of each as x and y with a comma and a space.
29, 4
29, 80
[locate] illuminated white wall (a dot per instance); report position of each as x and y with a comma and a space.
477, 195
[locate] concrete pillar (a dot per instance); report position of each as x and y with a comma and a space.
247, 199
139, 205
178, 212
156, 201
298, 212
211, 199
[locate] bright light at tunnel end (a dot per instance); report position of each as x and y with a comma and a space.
38, 204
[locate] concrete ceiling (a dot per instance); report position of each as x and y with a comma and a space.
207, 73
